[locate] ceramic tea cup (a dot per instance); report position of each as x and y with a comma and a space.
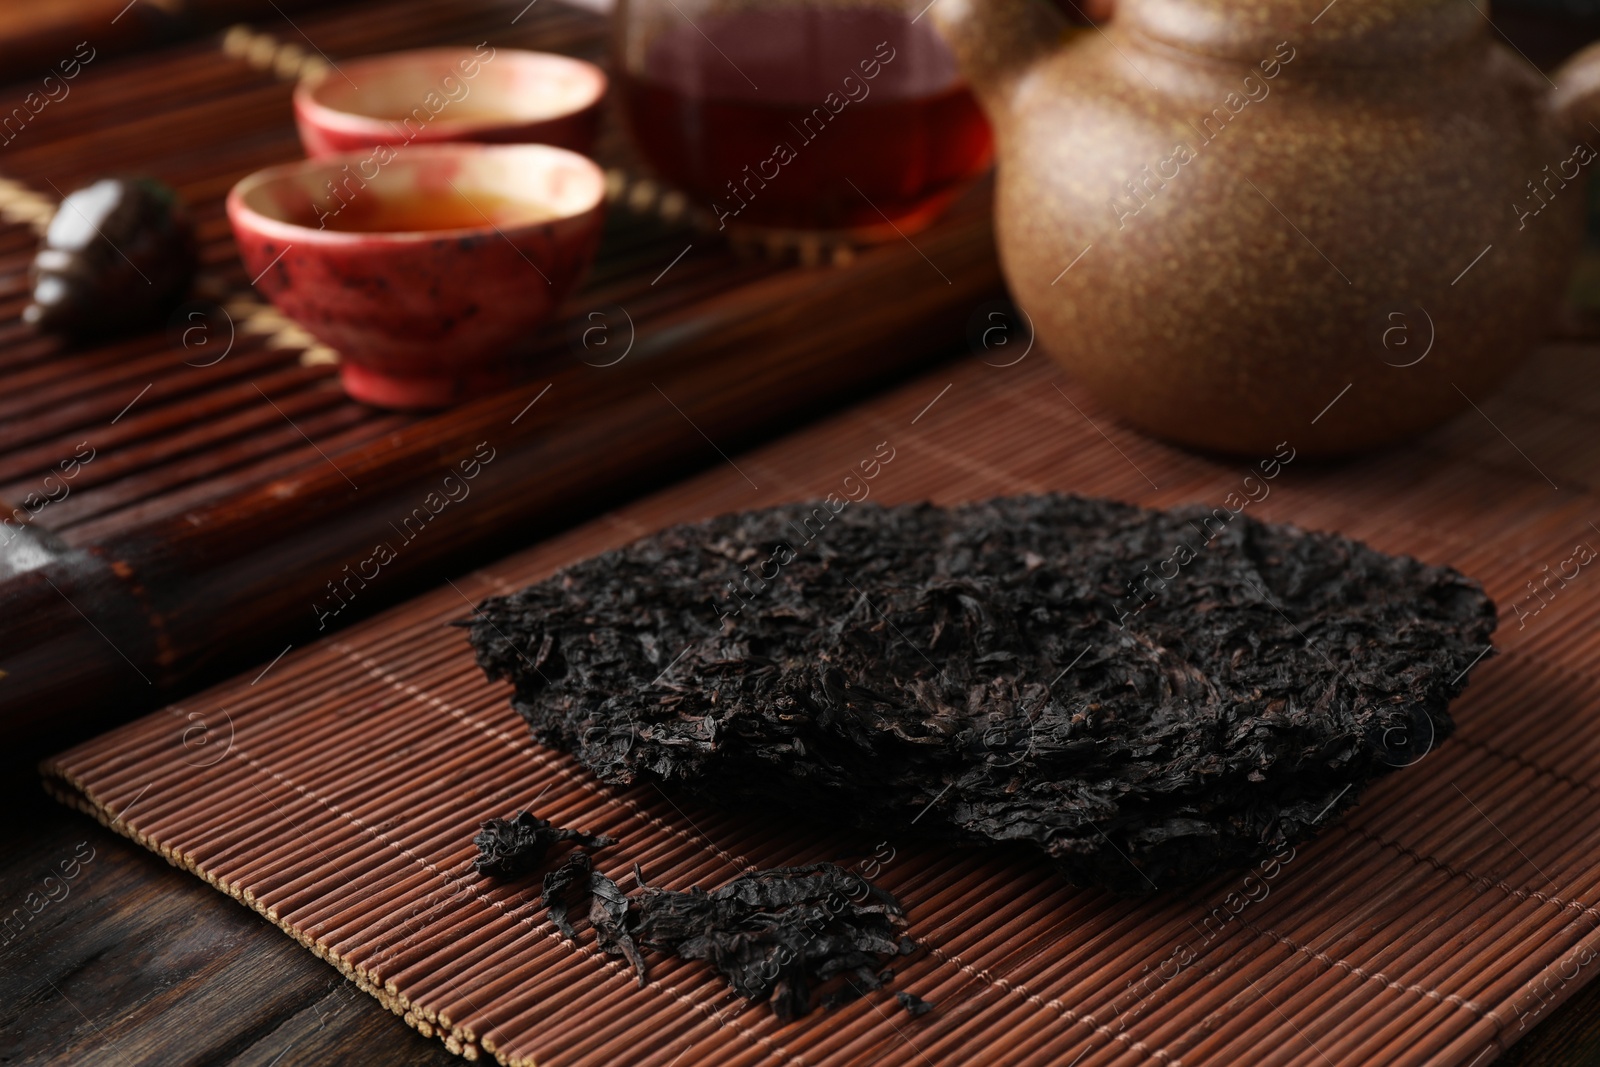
424, 271
432, 95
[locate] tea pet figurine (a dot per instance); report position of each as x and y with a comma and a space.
1241, 222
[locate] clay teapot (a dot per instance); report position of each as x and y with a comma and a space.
1245, 222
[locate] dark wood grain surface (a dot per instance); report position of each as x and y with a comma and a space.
135, 962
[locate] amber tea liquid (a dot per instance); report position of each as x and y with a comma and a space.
808, 118
370, 212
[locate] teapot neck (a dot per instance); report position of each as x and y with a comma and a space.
1364, 32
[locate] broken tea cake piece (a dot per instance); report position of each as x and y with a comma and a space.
779, 934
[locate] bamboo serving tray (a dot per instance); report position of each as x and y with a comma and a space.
231, 480
337, 791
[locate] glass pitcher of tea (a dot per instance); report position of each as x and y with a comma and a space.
842, 116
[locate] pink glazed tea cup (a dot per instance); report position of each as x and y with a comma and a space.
434, 95
423, 267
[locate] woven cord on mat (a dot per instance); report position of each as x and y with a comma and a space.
338, 794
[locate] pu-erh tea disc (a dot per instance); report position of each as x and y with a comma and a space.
1145, 697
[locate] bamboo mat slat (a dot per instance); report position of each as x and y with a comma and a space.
338, 791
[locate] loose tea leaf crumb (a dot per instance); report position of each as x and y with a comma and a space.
913, 1004
774, 935
608, 913
509, 847
576, 880
564, 887
1144, 697
779, 934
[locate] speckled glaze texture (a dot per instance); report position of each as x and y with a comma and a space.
1323, 196
429, 323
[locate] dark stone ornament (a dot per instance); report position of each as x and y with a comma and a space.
118, 256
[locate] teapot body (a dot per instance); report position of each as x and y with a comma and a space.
1237, 251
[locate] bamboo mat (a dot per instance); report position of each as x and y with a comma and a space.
337, 791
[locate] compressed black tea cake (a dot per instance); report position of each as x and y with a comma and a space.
1144, 697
